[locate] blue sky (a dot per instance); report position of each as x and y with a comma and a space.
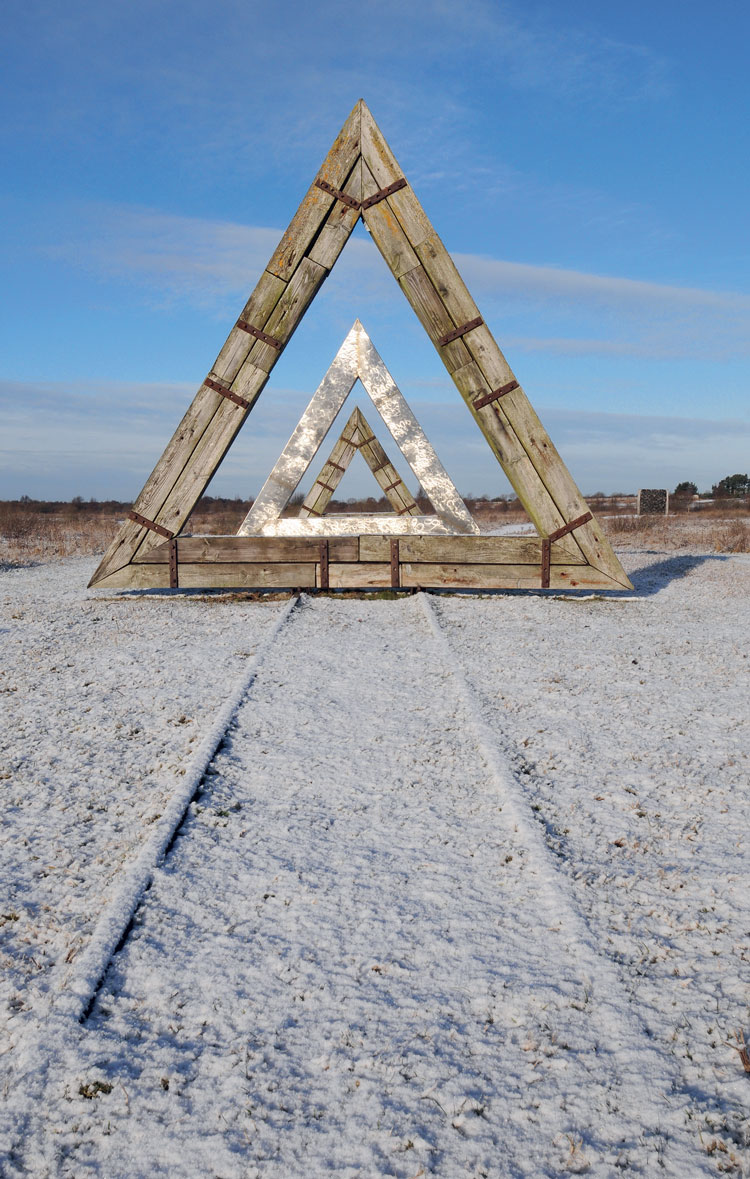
585, 163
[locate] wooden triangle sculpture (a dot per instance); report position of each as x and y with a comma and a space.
358, 436
358, 359
360, 177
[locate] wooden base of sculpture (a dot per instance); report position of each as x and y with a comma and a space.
359, 562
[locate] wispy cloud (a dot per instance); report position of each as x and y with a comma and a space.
102, 441
315, 60
212, 265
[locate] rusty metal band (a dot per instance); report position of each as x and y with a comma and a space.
336, 466
546, 547
460, 331
391, 485
225, 391
324, 564
174, 575
365, 442
377, 470
395, 565
313, 512
547, 542
495, 395
327, 486
403, 511
146, 523
344, 197
382, 193
566, 528
259, 335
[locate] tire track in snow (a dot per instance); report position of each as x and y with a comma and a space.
365, 922
72, 990
640, 1061
355, 913
77, 991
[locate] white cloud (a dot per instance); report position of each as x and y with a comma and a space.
213, 265
103, 440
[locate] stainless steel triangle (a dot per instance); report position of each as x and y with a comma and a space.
357, 358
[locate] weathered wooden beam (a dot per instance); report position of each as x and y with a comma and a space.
286, 281
476, 550
339, 224
385, 169
234, 575
469, 576
348, 576
386, 229
252, 549
308, 219
447, 306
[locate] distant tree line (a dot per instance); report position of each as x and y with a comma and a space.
730, 485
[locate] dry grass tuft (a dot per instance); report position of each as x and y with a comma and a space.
679, 532
28, 535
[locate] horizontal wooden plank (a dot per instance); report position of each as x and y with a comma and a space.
482, 550
359, 576
455, 576
296, 575
249, 549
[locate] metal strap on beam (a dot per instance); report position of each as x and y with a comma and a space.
324, 564
344, 197
364, 442
495, 395
566, 528
395, 565
382, 193
460, 331
547, 542
174, 578
336, 466
352, 202
259, 335
546, 547
146, 523
225, 391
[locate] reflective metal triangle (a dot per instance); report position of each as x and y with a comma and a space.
357, 358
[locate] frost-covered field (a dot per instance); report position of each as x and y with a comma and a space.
464, 892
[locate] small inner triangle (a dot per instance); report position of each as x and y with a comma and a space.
358, 436
358, 359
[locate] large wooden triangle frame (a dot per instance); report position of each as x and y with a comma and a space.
361, 177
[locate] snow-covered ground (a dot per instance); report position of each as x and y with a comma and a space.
464, 891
